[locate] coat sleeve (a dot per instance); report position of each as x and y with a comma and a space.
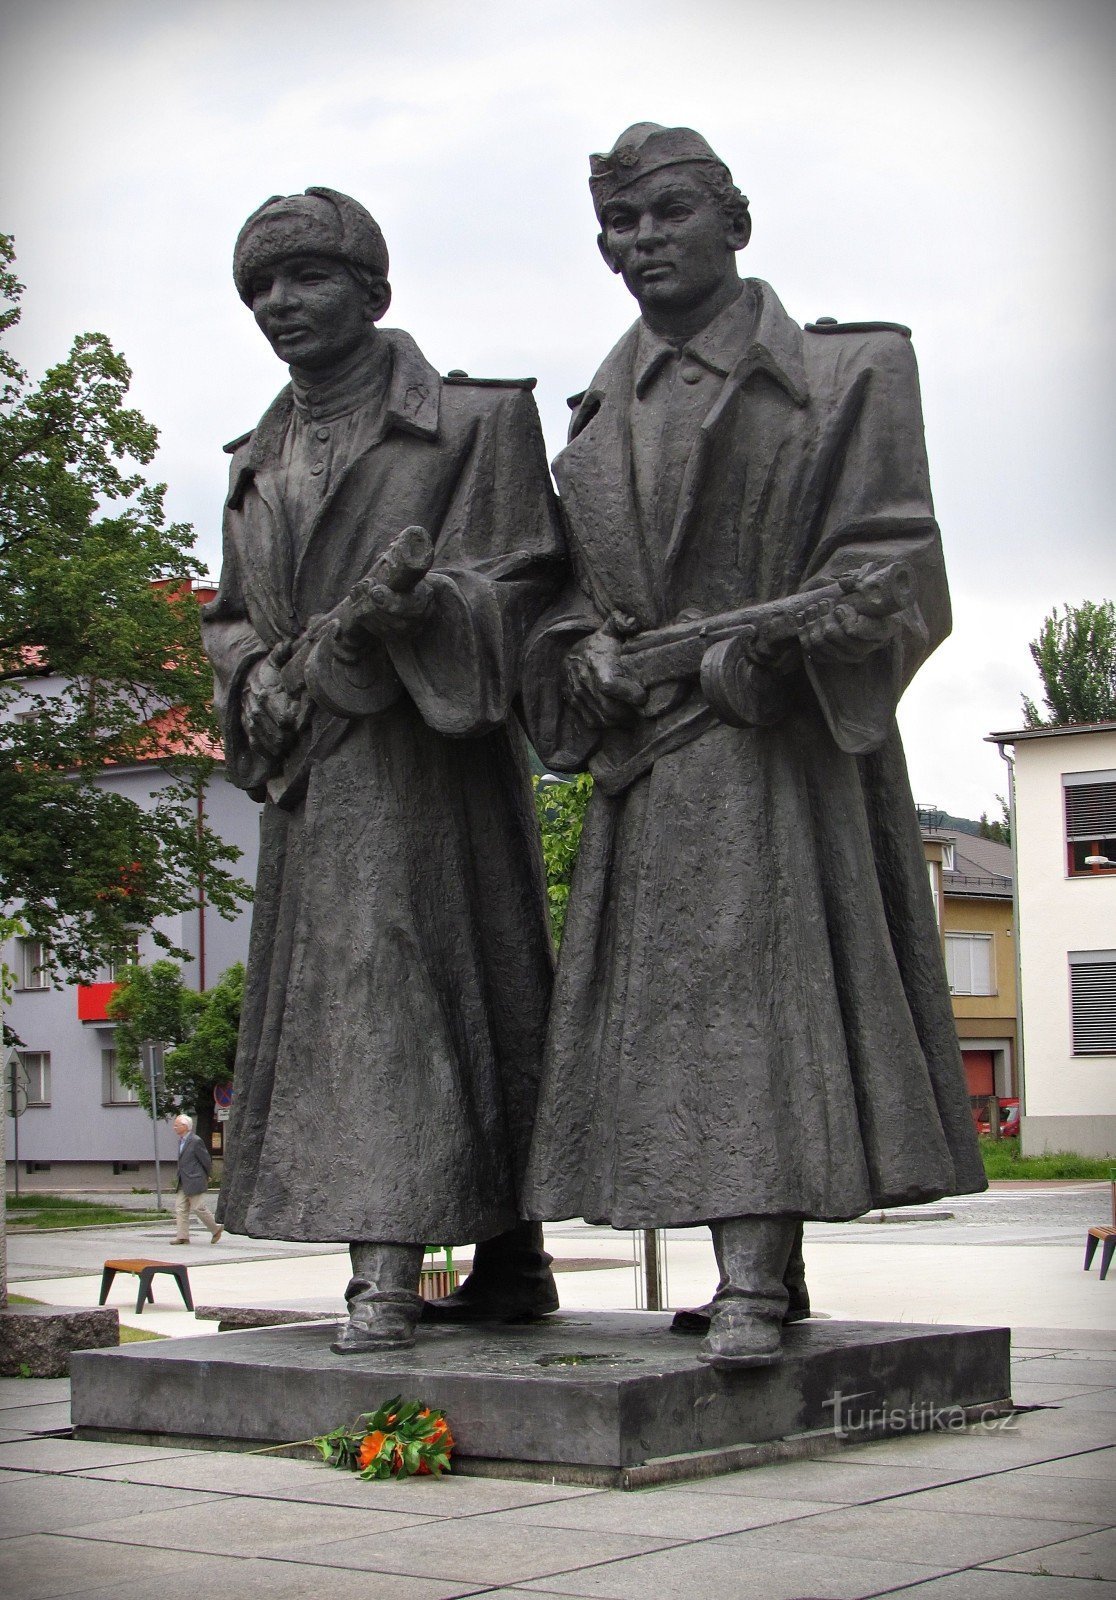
234, 647
878, 508
498, 560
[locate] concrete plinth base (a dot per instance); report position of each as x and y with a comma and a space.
610, 1398
37, 1341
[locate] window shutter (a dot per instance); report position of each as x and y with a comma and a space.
1093, 1002
1090, 811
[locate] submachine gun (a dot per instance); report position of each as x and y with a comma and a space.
728, 652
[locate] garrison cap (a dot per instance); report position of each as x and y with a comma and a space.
644, 148
321, 222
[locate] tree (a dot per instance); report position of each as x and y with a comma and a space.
154, 1003
561, 807
1076, 657
95, 591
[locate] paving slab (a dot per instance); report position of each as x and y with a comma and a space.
578, 1394
734, 1567
1092, 1555
32, 1392
36, 1504
74, 1455
978, 1583
662, 1513
835, 1479
41, 1418
240, 1526
50, 1568
907, 1531
1024, 1493
1088, 1464
46, 1566
269, 1477
486, 1550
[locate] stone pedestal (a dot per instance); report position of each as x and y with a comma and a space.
38, 1341
610, 1398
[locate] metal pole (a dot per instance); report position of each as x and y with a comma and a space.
652, 1288
149, 1052
12, 1093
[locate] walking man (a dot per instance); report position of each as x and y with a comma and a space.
194, 1165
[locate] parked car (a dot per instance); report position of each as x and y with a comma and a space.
1009, 1119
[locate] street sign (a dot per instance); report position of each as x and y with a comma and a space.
222, 1113
222, 1097
15, 1084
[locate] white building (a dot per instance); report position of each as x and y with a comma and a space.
81, 1128
1065, 848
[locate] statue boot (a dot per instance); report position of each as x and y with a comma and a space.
382, 1298
746, 1326
511, 1281
696, 1319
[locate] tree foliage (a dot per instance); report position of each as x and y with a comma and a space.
100, 663
1075, 653
201, 1029
561, 811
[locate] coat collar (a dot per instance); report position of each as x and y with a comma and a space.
413, 404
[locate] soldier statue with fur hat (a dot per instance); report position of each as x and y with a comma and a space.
390, 538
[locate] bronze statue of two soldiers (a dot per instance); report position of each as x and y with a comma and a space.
750, 1024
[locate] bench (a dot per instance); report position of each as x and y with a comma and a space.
1102, 1235
145, 1270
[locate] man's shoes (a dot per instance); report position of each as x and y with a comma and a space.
740, 1337
379, 1319
217, 1232
507, 1299
180, 1241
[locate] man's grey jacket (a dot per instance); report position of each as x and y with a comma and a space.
194, 1163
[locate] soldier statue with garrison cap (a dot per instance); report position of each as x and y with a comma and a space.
390, 538
751, 1025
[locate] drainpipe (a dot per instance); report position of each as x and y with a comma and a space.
1021, 1081
202, 895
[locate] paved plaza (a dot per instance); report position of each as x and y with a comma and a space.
1017, 1510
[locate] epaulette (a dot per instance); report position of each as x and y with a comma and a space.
831, 325
457, 376
234, 445
575, 399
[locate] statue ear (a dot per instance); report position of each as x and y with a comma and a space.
379, 298
740, 230
610, 261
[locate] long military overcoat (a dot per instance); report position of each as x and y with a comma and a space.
751, 1014
400, 961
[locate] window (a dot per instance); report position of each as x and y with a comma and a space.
31, 964
36, 1073
949, 856
1090, 822
969, 963
113, 1092
126, 957
1093, 1001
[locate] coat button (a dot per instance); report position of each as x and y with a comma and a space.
322, 435
689, 372
318, 468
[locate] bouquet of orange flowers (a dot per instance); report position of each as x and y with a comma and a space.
402, 1439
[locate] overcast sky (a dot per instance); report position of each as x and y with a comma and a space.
943, 163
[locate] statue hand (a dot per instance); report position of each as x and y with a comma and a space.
597, 685
844, 633
271, 715
386, 614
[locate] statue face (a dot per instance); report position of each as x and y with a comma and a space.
312, 310
669, 240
